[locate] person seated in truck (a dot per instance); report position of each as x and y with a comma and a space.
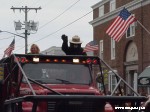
75, 45
34, 49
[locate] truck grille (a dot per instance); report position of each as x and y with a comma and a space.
51, 106
71, 106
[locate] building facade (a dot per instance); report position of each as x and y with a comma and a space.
131, 55
58, 51
53, 51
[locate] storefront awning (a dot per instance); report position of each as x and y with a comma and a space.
144, 77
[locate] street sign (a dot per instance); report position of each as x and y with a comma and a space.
144, 81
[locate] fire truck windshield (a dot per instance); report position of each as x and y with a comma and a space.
51, 73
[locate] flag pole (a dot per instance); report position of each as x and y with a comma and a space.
144, 27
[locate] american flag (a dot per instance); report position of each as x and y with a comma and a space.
91, 46
11, 47
120, 25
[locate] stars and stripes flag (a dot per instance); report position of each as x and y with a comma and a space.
120, 25
10, 48
91, 46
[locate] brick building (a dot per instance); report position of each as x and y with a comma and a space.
131, 55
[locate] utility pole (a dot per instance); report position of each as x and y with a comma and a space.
25, 9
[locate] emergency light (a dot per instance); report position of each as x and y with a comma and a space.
48, 60
76, 60
36, 59
56, 60
90, 61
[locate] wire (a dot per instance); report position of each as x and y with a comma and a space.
59, 14
60, 28
64, 27
9, 37
19, 3
43, 8
57, 30
35, 3
55, 19
50, 22
6, 38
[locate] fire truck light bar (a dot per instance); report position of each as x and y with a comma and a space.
57, 60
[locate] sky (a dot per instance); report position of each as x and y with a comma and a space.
56, 17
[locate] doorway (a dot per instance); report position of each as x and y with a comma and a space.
132, 81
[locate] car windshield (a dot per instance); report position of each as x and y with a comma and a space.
58, 73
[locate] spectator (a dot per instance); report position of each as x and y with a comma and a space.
34, 49
109, 93
75, 45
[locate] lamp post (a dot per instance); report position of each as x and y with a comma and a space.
18, 36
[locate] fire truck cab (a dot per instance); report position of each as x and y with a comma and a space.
46, 83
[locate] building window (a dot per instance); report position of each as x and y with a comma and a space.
112, 81
101, 49
131, 31
101, 11
112, 5
100, 86
112, 48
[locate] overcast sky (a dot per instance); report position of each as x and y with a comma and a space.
56, 17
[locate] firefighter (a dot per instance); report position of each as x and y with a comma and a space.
75, 45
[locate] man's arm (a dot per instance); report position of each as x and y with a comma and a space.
65, 43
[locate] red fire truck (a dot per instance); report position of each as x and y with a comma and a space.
46, 83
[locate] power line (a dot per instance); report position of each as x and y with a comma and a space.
15, 47
59, 14
63, 27
6, 38
15, 42
46, 3
55, 19
57, 30
19, 2
35, 3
